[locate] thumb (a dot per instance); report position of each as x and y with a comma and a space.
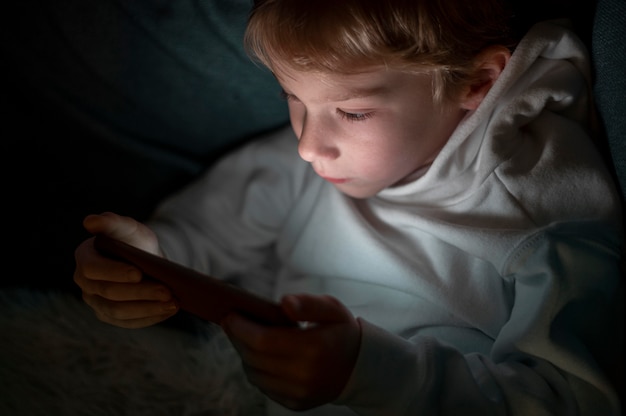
111, 224
315, 309
124, 229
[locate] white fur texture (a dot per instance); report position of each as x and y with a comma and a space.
56, 358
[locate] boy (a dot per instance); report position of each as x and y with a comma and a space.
449, 234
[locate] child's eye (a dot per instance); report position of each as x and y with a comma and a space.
354, 116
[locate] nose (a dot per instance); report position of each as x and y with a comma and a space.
316, 143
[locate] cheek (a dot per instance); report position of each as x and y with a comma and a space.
419, 139
395, 154
377, 160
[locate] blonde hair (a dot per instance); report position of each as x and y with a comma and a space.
348, 36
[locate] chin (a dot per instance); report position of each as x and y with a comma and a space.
357, 193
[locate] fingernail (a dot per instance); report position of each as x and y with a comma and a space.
171, 306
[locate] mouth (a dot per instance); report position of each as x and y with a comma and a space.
330, 179
335, 180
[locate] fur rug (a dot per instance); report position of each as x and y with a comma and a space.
56, 358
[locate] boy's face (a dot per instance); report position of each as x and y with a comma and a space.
368, 131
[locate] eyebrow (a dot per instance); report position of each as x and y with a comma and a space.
351, 95
361, 93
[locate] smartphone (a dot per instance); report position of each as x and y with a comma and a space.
197, 293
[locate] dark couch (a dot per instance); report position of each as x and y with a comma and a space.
111, 105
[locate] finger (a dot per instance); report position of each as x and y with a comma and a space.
122, 228
262, 364
271, 349
295, 364
315, 308
247, 335
90, 264
147, 291
125, 313
254, 341
111, 224
137, 323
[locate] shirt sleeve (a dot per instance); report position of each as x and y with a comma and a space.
226, 222
548, 359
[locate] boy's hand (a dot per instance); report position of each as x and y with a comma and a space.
114, 289
299, 368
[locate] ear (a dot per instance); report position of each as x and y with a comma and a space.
488, 64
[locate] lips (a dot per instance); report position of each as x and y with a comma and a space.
334, 180
330, 178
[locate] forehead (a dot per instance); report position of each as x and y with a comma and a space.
372, 81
